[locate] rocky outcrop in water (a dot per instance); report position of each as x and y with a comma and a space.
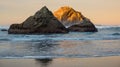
42, 22
77, 22
85, 26
4, 30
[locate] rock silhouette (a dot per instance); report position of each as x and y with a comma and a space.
42, 22
4, 30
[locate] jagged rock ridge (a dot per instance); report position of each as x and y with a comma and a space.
68, 15
77, 22
42, 22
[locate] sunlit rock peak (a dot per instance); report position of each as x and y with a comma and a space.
68, 14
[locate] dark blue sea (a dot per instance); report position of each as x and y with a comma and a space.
105, 42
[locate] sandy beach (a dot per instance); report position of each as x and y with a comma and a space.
113, 61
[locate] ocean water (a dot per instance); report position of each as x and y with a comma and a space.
106, 42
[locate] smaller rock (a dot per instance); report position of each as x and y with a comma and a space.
3, 29
85, 26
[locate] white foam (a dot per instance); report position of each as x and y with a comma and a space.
106, 26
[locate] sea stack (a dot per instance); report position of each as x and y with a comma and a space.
74, 20
42, 22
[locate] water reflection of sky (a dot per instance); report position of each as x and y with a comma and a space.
53, 49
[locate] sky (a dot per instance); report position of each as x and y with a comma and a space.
101, 12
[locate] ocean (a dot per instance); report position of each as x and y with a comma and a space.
105, 42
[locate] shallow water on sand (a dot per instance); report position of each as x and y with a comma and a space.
63, 62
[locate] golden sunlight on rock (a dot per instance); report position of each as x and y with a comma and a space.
68, 14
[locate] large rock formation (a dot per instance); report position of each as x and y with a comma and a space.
68, 16
77, 22
42, 22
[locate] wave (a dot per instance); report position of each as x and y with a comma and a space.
116, 34
107, 26
104, 33
5, 39
62, 56
61, 39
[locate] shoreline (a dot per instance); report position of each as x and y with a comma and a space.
112, 61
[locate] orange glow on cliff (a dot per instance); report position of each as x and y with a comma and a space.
68, 14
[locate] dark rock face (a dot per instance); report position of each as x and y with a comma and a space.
42, 22
85, 26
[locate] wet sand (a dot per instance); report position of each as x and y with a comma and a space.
113, 61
